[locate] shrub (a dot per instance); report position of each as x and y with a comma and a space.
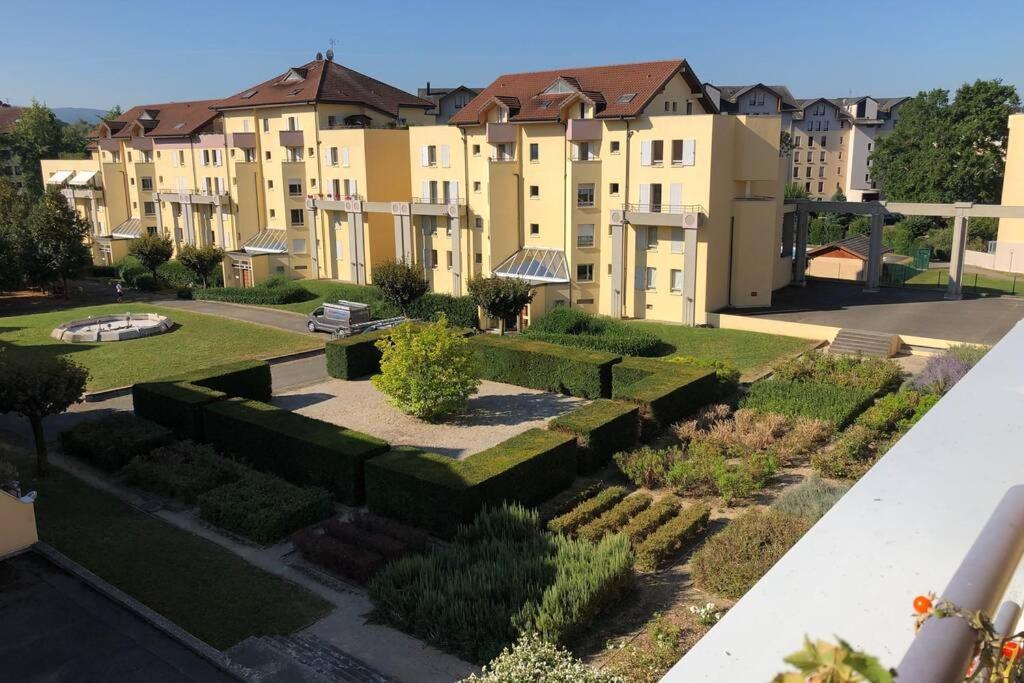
810, 499
353, 562
667, 541
648, 658
587, 510
728, 377
111, 442
879, 375
501, 297
566, 500
265, 294
641, 526
181, 470
614, 519
646, 466
414, 539
174, 274
103, 271
968, 353
346, 532
201, 261
436, 492
534, 660
665, 392
834, 404
151, 251
940, 373
400, 283
177, 406
429, 371
264, 508
707, 469
539, 365
850, 456
888, 411
502, 576
602, 428
354, 357
245, 379
460, 311
734, 559
293, 446
132, 273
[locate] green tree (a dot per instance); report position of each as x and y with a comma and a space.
37, 385
201, 260
55, 246
838, 196
14, 211
795, 191
428, 371
73, 139
400, 283
152, 251
861, 225
900, 239
980, 231
942, 151
36, 135
501, 297
824, 229
112, 113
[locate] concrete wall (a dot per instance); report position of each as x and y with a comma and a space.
837, 268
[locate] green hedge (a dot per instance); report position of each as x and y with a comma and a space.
540, 365
602, 428
288, 293
175, 405
245, 379
111, 442
587, 510
183, 470
436, 492
575, 327
461, 311
665, 392
264, 508
353, 357
667, 541
293, 446
616, 518
835, 404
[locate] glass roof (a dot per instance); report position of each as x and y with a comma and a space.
130, 229
267, 241
538, 265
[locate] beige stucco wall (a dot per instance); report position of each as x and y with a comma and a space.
17, 524
836, 268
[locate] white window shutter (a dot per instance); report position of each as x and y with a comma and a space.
327, 156
645, 199
424, 156
591, 152
677, 240
446, 156
675, 196
354, 186
344, 157
689, 152
645, 153
426, 191
220, 157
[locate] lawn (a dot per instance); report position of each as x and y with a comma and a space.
746, 351
208, 591
327, 290
197, 341
981, 283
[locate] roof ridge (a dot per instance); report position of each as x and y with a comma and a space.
680, 60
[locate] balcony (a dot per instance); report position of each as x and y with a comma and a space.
291, 138
243, 140
498, 133
584, 130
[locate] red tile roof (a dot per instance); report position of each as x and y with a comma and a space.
325, 81
605, 85
8, 115
170, 119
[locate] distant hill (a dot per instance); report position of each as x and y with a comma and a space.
75, 114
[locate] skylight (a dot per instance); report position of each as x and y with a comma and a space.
178, 126
626, 98
544, 104
248, 94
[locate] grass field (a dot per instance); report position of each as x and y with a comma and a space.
197, 341
981, 283
326, 290
746, 351
198, 585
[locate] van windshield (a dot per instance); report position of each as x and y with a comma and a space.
319, 311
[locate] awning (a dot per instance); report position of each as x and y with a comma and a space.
269, 241
59, 177
82, 178
128, 230
535, 264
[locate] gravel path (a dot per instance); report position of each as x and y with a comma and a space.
497, 412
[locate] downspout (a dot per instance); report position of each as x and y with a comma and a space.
327, 258
468, 228
625, 240
567, 201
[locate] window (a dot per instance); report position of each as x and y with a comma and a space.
585, 195
821, 171
652, 237
478, 222
478, 258
250, 154
266, 125
149, 208
476, 186
534, 151
675, 106
270, 183
534, 229
147, 157
870, 145
433, 258
129, 157
651, 278
273, 213
615, 146
677, 152
585, 235
584, 151
431, 158
293, 124
534, 192
297, 217
613, 189
294, 187
821, 157
206, 157
821, 187
808, 174
181, 157
299, 246
504, 152
689, 107
267, 155
626, 98
796, 171
796, 141
332, 121
476, 150
824, 140
585, 272
294, 153
666, 105
807, 186
147, 183
676, 281
657, 151
448, 259
810, 140
332, 156
796, 157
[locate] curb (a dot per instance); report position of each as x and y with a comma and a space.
158, 621
96, 396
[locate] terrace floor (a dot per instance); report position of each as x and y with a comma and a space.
497, 412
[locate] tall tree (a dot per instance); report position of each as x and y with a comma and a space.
942, 151
112, 113
152, 251
501, 297
36, 135
400, 283
56, 248
74, 138
200, 261
796, 191
14, 211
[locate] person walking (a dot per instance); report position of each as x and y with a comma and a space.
120, 292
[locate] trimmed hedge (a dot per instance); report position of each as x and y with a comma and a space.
587, 510
350, 561
177, 406
832, 403
111, 442
245, 379
616, 518
665, 392
288, 293
182, 470
413, 538
641, 526
293, 446
354, 357
602, 428
668, 540
264, 508
574, 327
436, 492
461, 311
540, 365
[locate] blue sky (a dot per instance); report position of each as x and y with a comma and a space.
100, 54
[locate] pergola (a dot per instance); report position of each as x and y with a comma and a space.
799, 210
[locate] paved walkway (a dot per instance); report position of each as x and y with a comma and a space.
916, 312
57, 628
285, 320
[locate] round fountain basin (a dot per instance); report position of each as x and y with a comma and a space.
110, 328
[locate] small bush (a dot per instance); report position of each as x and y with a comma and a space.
641, 526
665, 392
460, 311
264, 508
353, 562
173, 274
889, 411
646, 466
810, 499
566, 500
667, 541
835, 404
181, 470
734, 559
602, 428
877, 375
111, 442
940, 373
614, 519
346, 532
534, 660
587, 510
968, 353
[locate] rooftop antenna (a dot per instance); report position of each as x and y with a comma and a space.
330, 50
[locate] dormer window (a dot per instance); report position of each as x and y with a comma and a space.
248, 94
544, 104
294, 76
560, 87
502, 115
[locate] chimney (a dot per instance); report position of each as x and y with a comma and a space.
428, 87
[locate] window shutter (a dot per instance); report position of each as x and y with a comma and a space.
641, 239
445, 156
354, 187
677, 240
425, 196
645, 199
424, 156
327, 156
689, 152
645, 153
220, 157
344, 157
591, 152
453, 191
675, 196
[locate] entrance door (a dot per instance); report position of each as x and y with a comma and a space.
246, 277
524, 318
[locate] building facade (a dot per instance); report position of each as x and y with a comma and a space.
447, 101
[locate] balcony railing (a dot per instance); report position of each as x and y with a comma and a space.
652, 207
439, 200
